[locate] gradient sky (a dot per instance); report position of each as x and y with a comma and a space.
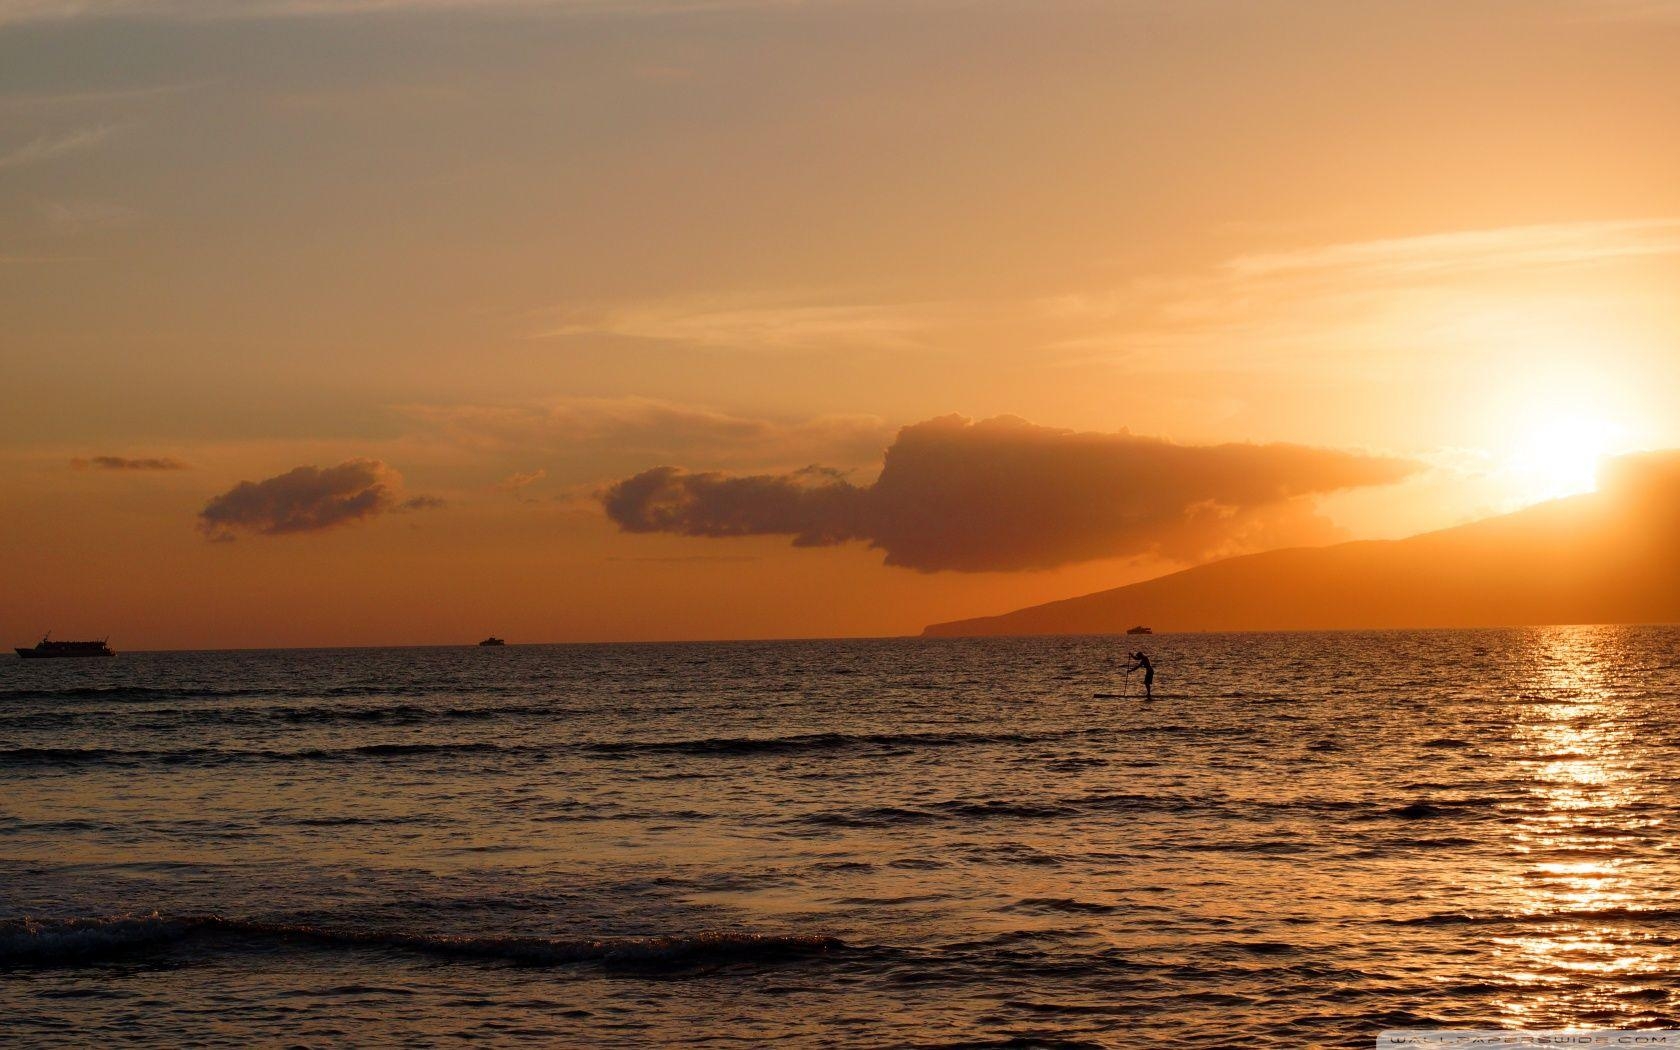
479, 260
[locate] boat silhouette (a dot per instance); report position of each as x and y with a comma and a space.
46, 648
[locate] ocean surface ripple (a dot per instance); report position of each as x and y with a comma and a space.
1303, 840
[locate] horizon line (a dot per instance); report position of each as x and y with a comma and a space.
887, 638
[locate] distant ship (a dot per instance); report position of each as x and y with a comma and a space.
1140, 630
46, 647
493, 640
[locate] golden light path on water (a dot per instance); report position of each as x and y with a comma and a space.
1592, 766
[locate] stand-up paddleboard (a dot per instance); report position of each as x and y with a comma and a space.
1108, 696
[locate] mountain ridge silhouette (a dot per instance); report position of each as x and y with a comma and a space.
1610, 556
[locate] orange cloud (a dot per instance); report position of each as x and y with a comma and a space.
308, 499
645, 427
519, 480
1005, 494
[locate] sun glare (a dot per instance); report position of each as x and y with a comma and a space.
1559, 455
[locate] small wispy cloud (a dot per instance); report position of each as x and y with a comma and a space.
47, 147
17, 11
1457, 288
634, 426
683, 559
1237, 303
128, 463
1449, 254
70, 218
746, 324
29, 260
1623, 10
521, 480
42, 99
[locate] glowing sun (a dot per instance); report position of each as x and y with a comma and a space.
1559, 455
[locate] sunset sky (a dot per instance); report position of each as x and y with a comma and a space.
371, 321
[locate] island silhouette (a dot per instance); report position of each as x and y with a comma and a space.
1610, 556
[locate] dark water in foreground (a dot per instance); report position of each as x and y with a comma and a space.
1304, 840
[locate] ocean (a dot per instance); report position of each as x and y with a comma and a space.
1304, 839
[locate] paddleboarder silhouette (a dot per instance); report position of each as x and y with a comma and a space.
1141, 660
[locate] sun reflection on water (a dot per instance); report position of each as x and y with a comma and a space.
1575, 889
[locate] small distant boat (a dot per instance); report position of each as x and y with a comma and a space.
47, 648
1140, 629
493, 640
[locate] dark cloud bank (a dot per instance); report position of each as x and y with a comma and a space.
308, 499
1004, 494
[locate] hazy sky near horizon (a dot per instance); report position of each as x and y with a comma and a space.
331, 321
